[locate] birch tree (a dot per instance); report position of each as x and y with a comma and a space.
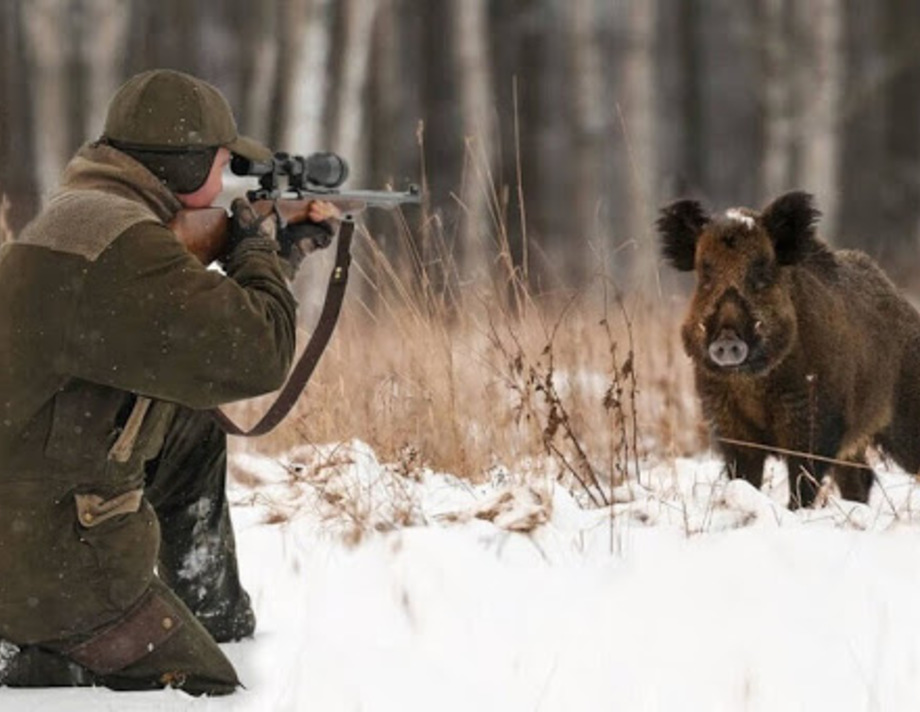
345, 90
821, 73
50, 55
478, 190
303, 63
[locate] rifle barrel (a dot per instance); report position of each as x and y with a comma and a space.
354, 200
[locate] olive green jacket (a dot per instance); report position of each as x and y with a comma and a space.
100, 304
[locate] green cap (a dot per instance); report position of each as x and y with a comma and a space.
165, 110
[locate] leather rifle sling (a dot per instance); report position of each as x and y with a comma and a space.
300, 374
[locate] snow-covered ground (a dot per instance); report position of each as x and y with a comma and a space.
393, 588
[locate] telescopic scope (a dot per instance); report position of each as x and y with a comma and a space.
325, 170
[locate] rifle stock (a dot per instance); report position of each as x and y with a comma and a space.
203, 232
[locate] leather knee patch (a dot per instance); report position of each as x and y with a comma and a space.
149, 624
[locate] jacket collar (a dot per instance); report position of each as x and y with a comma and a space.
100, 167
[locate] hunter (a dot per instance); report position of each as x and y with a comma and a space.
117, 555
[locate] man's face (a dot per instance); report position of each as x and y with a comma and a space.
206, 195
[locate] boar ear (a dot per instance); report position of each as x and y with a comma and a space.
790, 221
679, 226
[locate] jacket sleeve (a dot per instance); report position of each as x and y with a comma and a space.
151, 319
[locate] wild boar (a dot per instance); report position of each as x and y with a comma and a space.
801, 350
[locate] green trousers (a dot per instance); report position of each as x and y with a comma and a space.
170, 636
187, 487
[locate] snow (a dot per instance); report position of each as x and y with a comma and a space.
739, 215
392, 587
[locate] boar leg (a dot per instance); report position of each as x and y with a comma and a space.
746, 463
805, 477
854, 482
901, 439
821, 434
901, 442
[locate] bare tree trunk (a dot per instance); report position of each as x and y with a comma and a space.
259, 65
326, 111
639, 114
477, 97
544, 100
50, 50
679, 137
898, 210
303, 83
391, 121
591, 129
821, 102
778, 98
17, 167
346, 90
862, 127
732, 101
442, 152
304, 131
102, 46
692, 152
290, 38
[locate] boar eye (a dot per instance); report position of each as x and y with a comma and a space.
761, 275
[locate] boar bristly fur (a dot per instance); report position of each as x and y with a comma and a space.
795, 346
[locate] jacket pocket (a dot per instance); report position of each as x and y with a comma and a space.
84, 422
58, 578
124, 545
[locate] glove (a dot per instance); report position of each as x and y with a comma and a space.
297, 240
249, 232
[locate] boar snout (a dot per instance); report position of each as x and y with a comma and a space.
728, 349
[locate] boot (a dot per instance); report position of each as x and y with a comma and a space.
34, 666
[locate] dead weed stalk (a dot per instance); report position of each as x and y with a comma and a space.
6, 232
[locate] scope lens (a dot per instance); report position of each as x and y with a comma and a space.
328, 170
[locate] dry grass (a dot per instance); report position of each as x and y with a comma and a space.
499, 376
470, 372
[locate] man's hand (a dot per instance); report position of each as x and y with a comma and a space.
297, 240
321, 211
249, 231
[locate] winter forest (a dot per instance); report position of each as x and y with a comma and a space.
497, 491
569, 122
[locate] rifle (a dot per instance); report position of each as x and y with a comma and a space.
204, 231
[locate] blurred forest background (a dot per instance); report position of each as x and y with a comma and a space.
568, 121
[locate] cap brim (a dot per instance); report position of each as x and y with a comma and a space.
249, 148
